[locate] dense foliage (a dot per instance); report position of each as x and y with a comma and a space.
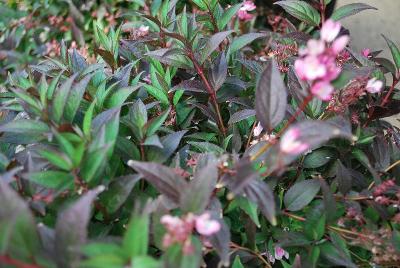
198, 133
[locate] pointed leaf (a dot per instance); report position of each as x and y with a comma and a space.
271, 97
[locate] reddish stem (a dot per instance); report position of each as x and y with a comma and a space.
386, 99
16, 263
210, 91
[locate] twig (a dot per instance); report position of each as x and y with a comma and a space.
258, 255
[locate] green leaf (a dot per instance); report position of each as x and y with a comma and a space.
51, 179
93, 163
60, 98
75, 97
201, 4
349, 10
319, 158
145, 262
120, 96
177, 96
87, 119
243, 40
250, 208
314, 226
57, 159
237, 263
18, 233
228, 15
25, 126
157, 93
301, 10
301, 194
395, 51
155, 123
23, 95
136, 238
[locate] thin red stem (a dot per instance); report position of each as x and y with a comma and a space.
386, 99
16, 263
210, 91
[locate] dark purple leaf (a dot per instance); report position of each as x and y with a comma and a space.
301, 194
71, 229
241, 115
197, 194
271, 97
219, 71
18, 229
163, 178
343, 177
260, 193
213, 43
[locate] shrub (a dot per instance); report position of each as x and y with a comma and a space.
195, 134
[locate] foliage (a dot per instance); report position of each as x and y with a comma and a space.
186, 134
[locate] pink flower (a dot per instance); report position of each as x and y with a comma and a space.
374, 85
206, 226
322, 90
330, 30
309, 68
289, 143
243, 11
340, 43
315, 47
365, 52
280, 253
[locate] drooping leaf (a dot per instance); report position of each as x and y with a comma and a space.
118, 191
394, 50
219, 70
301, 194
241, 115
25, 126
136, 237
61, 97
164, 179
71, 229
227, 16
244, 40
197, 195
271, 97
301, 10
51, 179
213, 43
344, 177
18, 234
349, 10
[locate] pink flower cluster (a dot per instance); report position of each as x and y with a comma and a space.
290, 144
317, 62
279, 254
243, 11
179, 230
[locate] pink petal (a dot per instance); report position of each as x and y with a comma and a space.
323, 90
206, 226
374, 85
340, 44
330, 30
315, 47
289, 143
